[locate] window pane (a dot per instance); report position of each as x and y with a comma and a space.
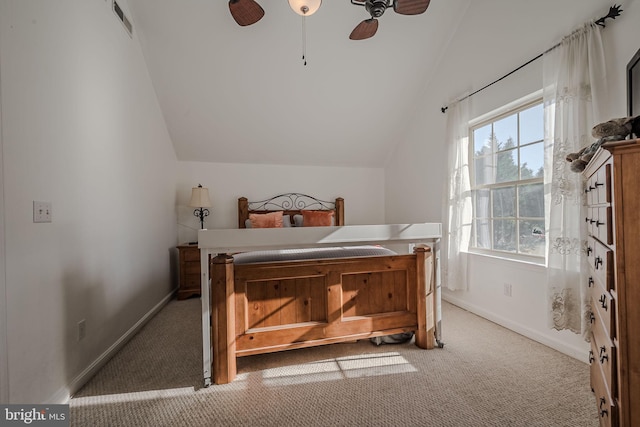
506, 132
504, 202
507, 166
504, 235
482, 140
532, 161
482, 204
531, 124
508, 214
532, 239
484, 170
531, 200
483, 234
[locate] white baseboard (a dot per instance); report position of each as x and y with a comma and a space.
63, 395
570, 350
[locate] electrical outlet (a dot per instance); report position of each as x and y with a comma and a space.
507, 289
42, 211
82, 329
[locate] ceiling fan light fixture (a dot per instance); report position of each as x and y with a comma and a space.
305, 7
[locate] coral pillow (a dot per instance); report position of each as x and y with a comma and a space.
268, 220
317, 218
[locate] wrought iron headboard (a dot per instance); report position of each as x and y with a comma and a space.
290, 204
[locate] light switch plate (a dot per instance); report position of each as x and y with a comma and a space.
42, 211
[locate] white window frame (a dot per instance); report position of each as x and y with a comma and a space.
490, 117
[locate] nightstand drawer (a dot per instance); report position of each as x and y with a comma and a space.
192, 281
191, 254
189, 271
192, 268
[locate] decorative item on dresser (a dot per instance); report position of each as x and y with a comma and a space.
189, 257
613, 252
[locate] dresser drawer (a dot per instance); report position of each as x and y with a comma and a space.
599, 223
599, 186
607, 410
603, 306
603, 355
598, 327
600, 259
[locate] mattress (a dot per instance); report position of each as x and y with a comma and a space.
311, 253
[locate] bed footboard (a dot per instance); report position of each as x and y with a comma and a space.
267, 307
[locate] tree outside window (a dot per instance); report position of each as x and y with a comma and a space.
507, 182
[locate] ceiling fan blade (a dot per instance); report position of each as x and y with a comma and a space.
245, 12
410, 7
365, 29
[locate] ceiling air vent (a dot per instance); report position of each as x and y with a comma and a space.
123, 18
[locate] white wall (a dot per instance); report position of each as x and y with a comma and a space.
360, 187
4, 367
484, 49
81, 128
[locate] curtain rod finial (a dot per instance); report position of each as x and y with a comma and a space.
614, 11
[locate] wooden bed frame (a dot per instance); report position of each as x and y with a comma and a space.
267, 307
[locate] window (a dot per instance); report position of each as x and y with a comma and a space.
507, 182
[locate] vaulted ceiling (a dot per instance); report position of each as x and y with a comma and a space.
235, 94
242, 94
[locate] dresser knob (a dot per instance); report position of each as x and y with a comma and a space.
590, 281
591, 358
589, 250
603, 412
592, 318
603, 354
598, 262
603, 301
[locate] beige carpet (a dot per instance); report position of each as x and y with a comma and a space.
484, 376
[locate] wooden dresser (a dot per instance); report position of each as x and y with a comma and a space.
612, 190
189, 258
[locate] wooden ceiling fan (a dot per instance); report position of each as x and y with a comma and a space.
245, 12
376, 8
248, 12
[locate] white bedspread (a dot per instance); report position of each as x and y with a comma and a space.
310, 253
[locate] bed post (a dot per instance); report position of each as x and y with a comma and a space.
223, 326
425, 335
243, 211
339, 211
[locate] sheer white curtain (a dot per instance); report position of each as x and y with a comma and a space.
457, 215
574, 78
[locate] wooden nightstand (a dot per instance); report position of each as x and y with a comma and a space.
189, 256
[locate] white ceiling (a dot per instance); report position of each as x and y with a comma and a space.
234, 94
242, 94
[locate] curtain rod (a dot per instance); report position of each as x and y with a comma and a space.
614, 11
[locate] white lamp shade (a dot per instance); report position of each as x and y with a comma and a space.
200, 198
299, 6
